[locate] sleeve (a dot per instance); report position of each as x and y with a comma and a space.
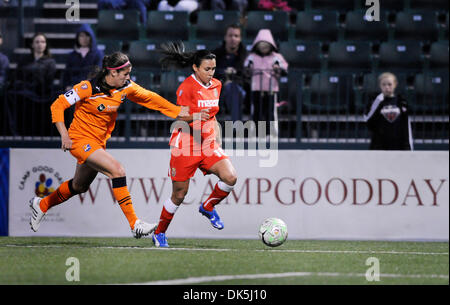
152, 100
79, 92
282, 62
184, 96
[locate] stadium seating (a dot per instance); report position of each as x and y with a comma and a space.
110, 46
145, 54
327, 93
439, 55
317, 25
167, 25
358, 28
427, 4
305, 55
416, 25
276, 22
350, 56
123, 25
397, 55
342, 5
170, 80
211, 25
431, 93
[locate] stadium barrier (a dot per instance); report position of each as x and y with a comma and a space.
364, 195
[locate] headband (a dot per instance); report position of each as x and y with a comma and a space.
119, 67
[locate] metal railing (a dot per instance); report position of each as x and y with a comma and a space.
322, 110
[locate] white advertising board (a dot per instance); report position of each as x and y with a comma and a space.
367, 195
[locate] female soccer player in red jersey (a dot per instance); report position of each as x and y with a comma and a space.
96, 103
195, 146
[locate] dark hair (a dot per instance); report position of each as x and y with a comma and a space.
116, 59
235, 26
174, 55
47, 53
77, 42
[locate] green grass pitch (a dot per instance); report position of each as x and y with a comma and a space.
45, 260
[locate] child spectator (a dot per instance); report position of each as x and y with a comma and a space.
388, 119
265, 66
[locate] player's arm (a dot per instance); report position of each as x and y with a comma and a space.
64, 101
154, 101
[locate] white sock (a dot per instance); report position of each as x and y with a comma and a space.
170, 206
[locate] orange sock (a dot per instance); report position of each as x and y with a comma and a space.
123, 197
221, 190
62, 193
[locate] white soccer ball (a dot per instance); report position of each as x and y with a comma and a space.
273, 232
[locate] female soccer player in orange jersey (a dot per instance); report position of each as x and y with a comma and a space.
96, 102
195, 146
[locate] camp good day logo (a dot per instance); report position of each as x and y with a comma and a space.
40, 181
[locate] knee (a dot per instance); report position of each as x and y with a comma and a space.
178, 196
229, 179
79, 187
118, 170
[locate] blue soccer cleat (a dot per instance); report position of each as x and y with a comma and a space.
160, 240
213, 217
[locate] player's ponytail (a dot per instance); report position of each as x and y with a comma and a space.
115, 61
175, 56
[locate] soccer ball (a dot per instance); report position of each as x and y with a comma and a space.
273, 232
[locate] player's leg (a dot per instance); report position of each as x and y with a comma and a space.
227, 175
103, 162
179, 191
84, 175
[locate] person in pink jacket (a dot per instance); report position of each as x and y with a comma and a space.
265, 65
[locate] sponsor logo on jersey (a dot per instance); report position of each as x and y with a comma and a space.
84, 86
174, 171
101, 107
208, 103
87, 147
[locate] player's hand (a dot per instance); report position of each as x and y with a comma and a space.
66, 143
184, 112
203, 115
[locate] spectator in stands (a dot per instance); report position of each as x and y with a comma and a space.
31, 90
265, 65
83, 58
230, 71
140, 5
388, 119
271, 5
4, 66
222, 5
178, 5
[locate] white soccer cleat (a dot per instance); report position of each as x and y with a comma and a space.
141, 228
36, 213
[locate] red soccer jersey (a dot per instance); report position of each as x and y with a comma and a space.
197, 96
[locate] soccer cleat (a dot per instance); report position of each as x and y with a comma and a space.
142, 228
36, 213
160, 240
213, 217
